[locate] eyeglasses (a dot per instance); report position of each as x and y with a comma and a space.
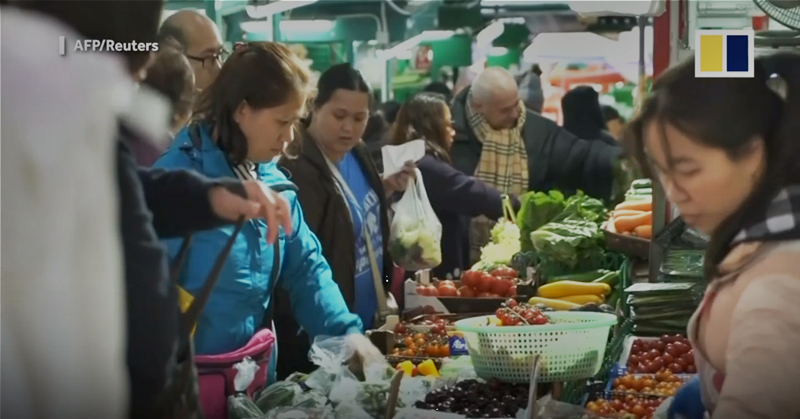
211, 60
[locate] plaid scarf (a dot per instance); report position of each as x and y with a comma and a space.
503, 163
781, 220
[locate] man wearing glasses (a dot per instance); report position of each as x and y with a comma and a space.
200, 41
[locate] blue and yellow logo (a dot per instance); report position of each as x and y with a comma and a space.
724, 53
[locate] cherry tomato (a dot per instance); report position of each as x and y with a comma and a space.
400, 328
511, 303
540, 319
447, 290
410, 352
466, 291
668, 359
676, 368
512, 321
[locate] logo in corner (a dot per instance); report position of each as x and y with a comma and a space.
724, 53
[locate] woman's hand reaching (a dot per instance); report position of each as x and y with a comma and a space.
261, 202
365, 353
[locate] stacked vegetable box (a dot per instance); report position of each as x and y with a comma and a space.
659, 308
630, 227
651, 370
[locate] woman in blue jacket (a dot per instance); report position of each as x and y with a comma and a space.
244, 120
455, 197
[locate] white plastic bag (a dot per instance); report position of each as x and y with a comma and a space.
416, 232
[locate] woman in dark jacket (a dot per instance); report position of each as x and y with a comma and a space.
455, 197
344, 201
583, 116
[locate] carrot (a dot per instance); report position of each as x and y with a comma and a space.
628, 223
645, 205
626, 212
644, 231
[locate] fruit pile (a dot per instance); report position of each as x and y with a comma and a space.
436, 324
663, 384
474, 399
500, 282
627, 406
512, 313
435, 343
671, 352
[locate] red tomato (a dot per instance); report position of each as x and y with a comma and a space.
676, 368
512, 291
691, 369
447, 282
668, 359
504, 272
485, 283
488, 295
502, 285
432, 291
471, 278
448, 291
540, 319
422, 290
466, 291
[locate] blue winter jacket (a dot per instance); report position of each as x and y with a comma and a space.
243, 292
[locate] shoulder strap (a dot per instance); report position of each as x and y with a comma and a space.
195, 136
269, 314
192, 315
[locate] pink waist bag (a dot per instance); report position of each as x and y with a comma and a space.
216, 373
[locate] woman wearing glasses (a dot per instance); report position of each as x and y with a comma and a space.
455, 197
244, 119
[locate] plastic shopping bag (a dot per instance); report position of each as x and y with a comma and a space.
416, 233
240, 406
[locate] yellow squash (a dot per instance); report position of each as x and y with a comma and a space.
563, 289
584, 299
558, 305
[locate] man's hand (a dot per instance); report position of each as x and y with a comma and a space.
399, 181
261, 202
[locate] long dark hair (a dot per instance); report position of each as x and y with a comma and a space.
728, 114
261, 74
423, 117
583, 116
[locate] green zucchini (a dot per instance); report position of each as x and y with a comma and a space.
611, 278
642, 184
589, 276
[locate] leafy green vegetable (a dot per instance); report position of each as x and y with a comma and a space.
568, 241
536, 210
583, 207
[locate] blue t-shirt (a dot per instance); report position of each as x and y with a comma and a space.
365, 212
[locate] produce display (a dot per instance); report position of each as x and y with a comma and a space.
670, 352
425, 368
499, 282
512, 313
503, 246
662, 308
435, 343
635, 215
426, 323
563, 231
662, 384
475, 399
625, 406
